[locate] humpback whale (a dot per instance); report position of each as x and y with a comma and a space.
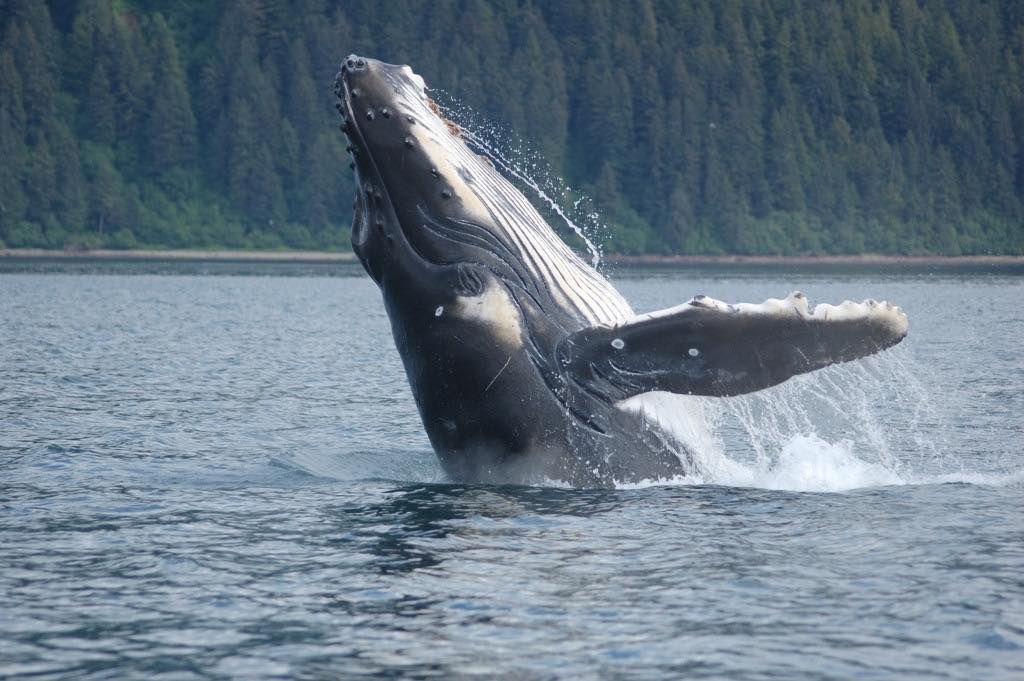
519, 354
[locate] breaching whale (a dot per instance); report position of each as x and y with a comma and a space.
519, 354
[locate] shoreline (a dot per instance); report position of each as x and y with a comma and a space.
328, 257
223, 255
865, 259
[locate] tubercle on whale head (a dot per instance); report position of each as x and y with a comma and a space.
402, 148
385, 107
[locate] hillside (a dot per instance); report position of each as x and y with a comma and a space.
772, 126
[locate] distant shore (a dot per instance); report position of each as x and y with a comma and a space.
344, 257
866, 259
180, 254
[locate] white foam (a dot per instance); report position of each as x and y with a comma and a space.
677, 481
809, 464
862, 425
686, 419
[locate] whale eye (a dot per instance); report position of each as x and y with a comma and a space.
693, 352
618, 343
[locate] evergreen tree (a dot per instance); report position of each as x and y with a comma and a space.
98, 122
12, 146
170, 127
69, 202
704, 126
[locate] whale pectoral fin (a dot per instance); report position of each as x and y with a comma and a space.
707, 347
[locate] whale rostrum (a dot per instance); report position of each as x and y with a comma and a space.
520, 354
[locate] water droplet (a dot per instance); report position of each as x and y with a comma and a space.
385, 112
618, 343
369, 114
693, 352
439, 311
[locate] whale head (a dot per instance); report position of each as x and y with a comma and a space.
390, 127
424, 197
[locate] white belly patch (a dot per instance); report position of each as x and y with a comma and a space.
494, 309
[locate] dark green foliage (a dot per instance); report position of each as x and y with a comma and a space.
169, 128
707, 126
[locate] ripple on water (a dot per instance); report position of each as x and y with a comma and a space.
203, 478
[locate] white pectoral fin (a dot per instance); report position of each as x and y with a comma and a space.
707, 347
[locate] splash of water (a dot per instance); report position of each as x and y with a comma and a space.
863, 424
860, 425
514, 156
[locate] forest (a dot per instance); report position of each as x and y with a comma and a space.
697, 127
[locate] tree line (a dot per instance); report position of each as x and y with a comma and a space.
707, 126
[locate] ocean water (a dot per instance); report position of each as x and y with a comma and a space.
213, 471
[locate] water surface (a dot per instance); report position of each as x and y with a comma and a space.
217, 470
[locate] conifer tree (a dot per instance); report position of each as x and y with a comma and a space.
98, 122
12, 146
892, 125
170, 127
